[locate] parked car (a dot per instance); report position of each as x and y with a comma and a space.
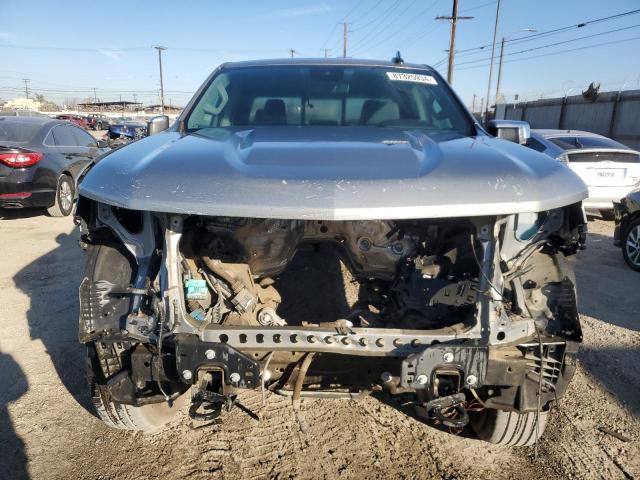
77, 119
40, 162
609, 168
98, 121
126, 129
627, 232
328, 228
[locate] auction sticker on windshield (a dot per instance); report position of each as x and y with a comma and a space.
411, 77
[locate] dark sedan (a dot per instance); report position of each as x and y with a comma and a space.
627, 232
40, 162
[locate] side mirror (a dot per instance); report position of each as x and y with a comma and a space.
157, 124
512, 130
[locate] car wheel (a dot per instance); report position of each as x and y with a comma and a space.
631, 245
110, 264
509, 428
145, 418
65, 194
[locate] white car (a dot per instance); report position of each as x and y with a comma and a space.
610, 169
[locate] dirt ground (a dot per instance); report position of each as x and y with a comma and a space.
48, 429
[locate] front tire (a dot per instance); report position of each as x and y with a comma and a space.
146, 418
631, 245
65, 194
109, 262
509, 428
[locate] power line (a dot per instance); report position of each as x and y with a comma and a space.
388, 24
535, 36
577, 49
368, 12
73, 49
379, 21
376, 19
420, 35
329, 37
346, 17
478, 7
404, 26
555, 44
126, 49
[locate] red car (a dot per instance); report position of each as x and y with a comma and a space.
78, 120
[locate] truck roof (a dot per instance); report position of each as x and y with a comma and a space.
325, 61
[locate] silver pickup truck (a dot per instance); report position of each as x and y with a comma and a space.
331, 228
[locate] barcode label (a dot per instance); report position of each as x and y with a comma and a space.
411, 77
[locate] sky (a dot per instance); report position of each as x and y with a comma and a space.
66, 49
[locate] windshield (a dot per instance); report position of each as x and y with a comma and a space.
329, 96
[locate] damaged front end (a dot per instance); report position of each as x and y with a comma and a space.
461, 315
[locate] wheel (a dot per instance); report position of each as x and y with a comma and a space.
147, 418
631, 245
509, 428
607, 215
110, 262
65, 194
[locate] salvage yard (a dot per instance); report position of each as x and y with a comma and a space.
48, 430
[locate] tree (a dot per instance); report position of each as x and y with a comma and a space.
46, 105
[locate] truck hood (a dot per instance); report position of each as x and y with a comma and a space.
330, 173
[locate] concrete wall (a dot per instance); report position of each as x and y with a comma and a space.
613, 114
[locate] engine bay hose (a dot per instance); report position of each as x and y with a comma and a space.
302, 373
216, 267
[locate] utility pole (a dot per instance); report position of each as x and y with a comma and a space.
499, 69
26, 86
473, 104
160, 49
452, 40
291, 52
345, 34
505, 39
481, 105
326, 52
493, 51
95, 96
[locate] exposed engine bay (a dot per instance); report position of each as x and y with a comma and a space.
409, 275
458, 313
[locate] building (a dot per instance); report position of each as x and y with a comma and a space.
23, 104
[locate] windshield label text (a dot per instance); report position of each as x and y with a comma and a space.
411, 77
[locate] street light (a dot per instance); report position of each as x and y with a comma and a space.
504, 39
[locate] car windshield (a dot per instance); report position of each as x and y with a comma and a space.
17, 132
329, 96
579, 141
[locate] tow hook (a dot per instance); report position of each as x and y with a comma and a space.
212, 404
207, 404
449, 411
